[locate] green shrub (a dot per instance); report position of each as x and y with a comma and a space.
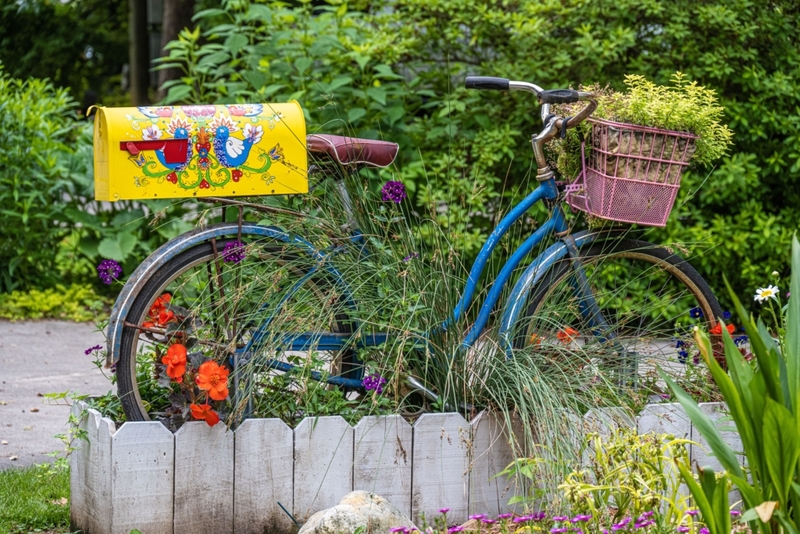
36, 125
71, 303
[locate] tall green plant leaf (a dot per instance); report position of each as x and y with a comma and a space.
781, 447
700, 498
792, 342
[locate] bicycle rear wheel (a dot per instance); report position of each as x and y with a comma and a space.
225, 295
649, 298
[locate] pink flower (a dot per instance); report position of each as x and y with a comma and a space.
199, 111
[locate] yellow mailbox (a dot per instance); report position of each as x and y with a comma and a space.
199, 151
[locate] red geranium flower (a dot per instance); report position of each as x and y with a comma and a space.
175, 360
159, 315
717, 330
214, 379
567, 335
203, 412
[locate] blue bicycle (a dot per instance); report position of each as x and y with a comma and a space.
263, 300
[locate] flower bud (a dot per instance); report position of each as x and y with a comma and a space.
775, 274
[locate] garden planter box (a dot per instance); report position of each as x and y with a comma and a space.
199, 151
212, 480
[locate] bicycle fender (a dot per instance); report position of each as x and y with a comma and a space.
175, 246
515, 304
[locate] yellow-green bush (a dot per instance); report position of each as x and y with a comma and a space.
76, 302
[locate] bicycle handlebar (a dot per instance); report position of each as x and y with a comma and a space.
552, 96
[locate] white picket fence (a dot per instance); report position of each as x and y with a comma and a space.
216, 481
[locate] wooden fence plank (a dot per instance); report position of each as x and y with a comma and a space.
97, 496
203, 479
78, 473
492, 452
382, 461
667, 419
440, 462
142, 483
264, 476
323, 469
603, 420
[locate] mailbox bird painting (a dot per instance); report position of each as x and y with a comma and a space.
200, 150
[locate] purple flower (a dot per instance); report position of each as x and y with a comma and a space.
726, 315
560, 518
646, 515
735, 513
703, 530
680, 343
683, 529
404, 530
682, 356
559, 530
108, 271
538, 516
696, 312
444, 510
478, 517
393, 191
740, 340
692, 512
455, 529
92, 349
581, 517
233, 251
521, 519
488, 521
376, 382
504, 516
621, 525
410, 257
643, 524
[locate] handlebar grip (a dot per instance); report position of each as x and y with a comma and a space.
486, 82
559, 96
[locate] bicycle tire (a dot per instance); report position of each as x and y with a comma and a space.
683, 300
265, 257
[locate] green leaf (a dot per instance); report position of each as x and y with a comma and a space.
235, 42
126, 241
302, 64
178, 93
109, 248
377, 94
781, 447
255, 78
355, 113
206, 13
338, 82
792, 341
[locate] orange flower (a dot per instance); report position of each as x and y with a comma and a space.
717, 330
159, 315
535, 339
214, 379
567, 335
175, 360
203, 412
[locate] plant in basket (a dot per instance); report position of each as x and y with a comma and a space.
628, 158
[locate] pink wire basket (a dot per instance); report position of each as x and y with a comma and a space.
632, 173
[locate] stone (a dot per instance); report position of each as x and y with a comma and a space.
357, 509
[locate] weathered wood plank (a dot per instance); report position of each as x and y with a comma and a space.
203, 479
382, 461
264, 476
142, 483
604, 420
97, 496
78, 470
323, 464
440, 463
492, 453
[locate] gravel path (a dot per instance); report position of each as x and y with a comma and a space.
38, 357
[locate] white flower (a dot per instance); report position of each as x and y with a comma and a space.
764, 293
151, 133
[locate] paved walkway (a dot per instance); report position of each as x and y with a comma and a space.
37, 358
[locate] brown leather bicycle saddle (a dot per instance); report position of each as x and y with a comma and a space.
353, 151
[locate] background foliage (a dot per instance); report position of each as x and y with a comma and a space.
395, 70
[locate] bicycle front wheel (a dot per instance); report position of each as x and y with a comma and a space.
635, 309
217, 299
